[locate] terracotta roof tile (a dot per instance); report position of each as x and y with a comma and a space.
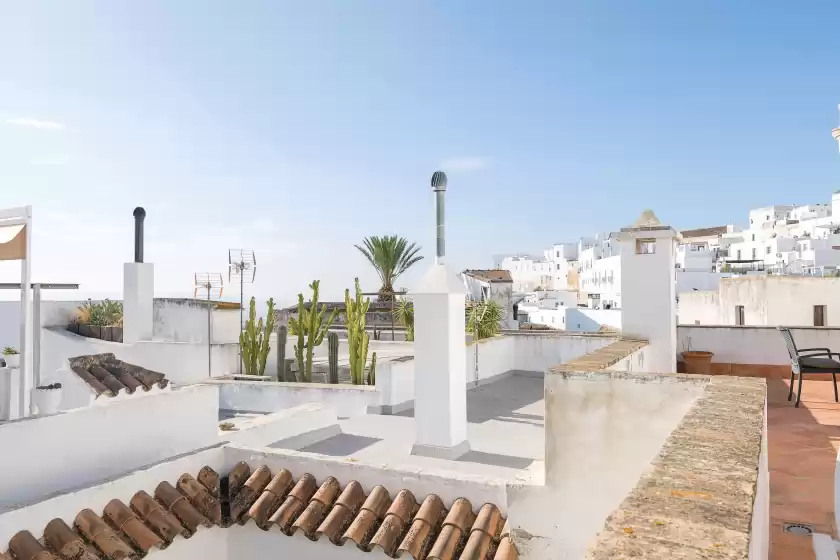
67, 543
401, 528
367, 522
704, 232
120, 517
107, 541
164, 524
243, 496
425, 526
178, 505
25, 547
109, 376
343, 512
294, 504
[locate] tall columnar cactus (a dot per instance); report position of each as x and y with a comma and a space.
254, 340
332, 346
371, 378
265, 342
357, 336
311, 325
297, 326
250, 340
282, 335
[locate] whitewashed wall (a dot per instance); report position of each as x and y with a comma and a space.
266, 396
66, 505
753, 344
181, 362
538, 352
49, 454
185, 320
583, 319
767, 300
53, 313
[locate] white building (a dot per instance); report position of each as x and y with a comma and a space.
496, 285
770, 300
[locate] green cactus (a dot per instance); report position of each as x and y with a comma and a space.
250, 340
253, 341
332, 343
310, 328
371, 379
357, 336
282, 335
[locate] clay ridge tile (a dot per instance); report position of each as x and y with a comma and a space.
458, 521
343, 512
424, 528
25, 547
395, 523
270, 499
122, 519
242, 499
178, 504
364, 526
484, 530
200, 498
66, 542
164, 524
96, 531
294, 504
94, 383
319, 506
424, 532
105, 377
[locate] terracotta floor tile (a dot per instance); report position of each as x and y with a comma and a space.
802, 449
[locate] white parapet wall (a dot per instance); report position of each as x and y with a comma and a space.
44, 455
270, 396
65, 505
181, 362
753, 344
185, 320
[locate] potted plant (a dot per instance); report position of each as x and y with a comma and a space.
12, 357
697, 361
47, 398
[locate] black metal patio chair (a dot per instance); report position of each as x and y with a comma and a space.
809, 360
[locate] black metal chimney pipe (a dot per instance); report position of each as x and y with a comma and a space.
139, 216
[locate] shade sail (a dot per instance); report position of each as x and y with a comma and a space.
12, 242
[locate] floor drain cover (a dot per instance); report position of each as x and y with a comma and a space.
797, 529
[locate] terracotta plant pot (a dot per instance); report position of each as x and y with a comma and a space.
697, 361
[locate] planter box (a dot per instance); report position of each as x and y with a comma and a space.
698, 362
12, 360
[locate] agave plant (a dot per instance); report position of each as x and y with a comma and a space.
485, 318
391, 256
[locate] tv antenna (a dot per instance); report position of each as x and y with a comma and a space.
208, 285
242, 268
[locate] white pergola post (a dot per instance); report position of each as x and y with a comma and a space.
16, 244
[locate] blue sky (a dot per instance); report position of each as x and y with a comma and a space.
297, 128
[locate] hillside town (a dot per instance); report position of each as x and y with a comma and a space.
648, 391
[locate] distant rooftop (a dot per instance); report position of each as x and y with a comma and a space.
704, 232
491, 275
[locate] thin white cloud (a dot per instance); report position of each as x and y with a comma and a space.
35, 123
58, 160
264, 225
465, 163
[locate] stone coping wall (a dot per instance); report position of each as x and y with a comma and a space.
697, 499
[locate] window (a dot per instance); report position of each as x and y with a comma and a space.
739, 314
558, 266
754, 251
819, 316
558, 253
645, 246
753, 237
738, 255
768, 250
768, 217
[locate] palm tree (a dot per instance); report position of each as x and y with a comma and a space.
390, 255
